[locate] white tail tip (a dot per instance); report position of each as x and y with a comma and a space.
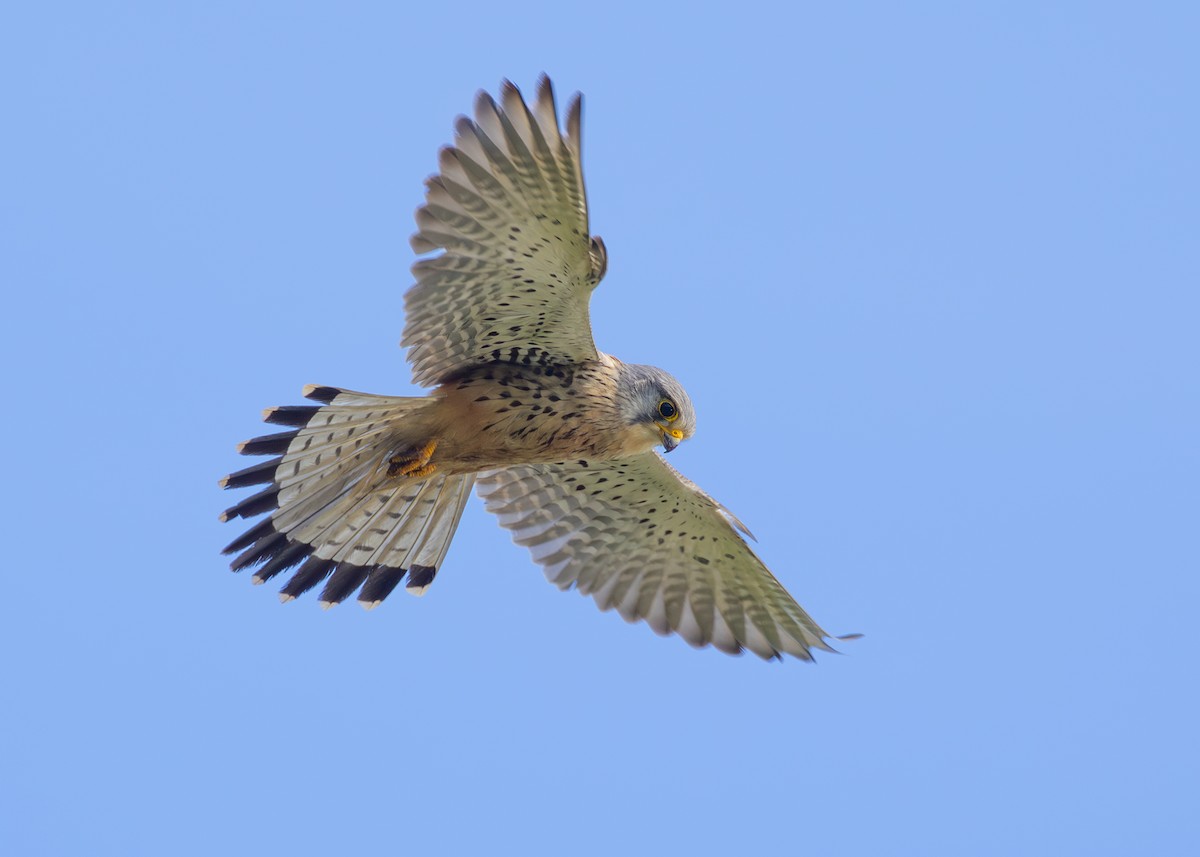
284, 598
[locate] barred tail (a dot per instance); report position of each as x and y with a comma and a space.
335, 511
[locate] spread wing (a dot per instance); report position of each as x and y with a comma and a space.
636, 535
510, 213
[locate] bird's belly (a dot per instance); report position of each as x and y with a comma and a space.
499, 418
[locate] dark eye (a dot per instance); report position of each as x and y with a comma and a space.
667, 410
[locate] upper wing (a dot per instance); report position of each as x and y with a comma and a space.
636, 535
509, 210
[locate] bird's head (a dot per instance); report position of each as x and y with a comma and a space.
656, 406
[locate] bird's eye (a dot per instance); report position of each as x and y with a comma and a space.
668, 411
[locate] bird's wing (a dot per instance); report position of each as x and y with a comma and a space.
636, 535
509, 211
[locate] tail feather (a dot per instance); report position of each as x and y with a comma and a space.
246, 539
425, 556
258, 474
339, 445
291, 554
306, 577
380, 583
290, 415
264, 501
342, 583
264, 549
445, 521
336, 514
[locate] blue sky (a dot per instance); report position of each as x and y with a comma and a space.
929, 274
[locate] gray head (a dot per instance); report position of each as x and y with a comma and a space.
652, 399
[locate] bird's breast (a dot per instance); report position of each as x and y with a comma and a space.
503, 415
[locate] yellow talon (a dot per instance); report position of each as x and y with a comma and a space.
415, 467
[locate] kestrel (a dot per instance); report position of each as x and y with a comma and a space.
558, 437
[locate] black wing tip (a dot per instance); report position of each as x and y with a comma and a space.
463, 126
484, 103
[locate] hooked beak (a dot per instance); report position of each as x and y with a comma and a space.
670, 437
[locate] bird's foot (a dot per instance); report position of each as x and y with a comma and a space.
414, 466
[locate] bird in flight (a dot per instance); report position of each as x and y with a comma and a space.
557, 437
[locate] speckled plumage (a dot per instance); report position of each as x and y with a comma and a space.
365, 489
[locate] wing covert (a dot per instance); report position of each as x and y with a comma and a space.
639, 537
509, 211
